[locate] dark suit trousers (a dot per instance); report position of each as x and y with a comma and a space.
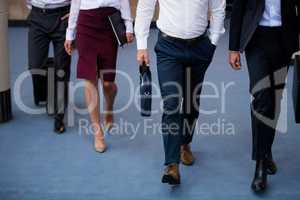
45, 28
181, 69
267, 66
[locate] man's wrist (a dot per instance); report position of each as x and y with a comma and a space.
70, 35
142, 43
214, 38
129, 27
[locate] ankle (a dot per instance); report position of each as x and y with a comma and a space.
185, 147
109, 117
99, 135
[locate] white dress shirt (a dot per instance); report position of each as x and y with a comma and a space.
77, 5
272, 14
185, 19
48, 4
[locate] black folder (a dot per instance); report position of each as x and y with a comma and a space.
119, 28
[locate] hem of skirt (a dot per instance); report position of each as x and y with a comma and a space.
88, 78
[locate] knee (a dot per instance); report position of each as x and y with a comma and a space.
91, 86
172, 106
264, 103
109, 86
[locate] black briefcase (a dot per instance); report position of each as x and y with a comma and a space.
145, 90
296, 88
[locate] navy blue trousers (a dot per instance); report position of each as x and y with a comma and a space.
181, 68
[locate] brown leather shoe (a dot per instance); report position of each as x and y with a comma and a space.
186, 155
171, 175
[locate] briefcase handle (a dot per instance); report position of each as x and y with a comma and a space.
144, 68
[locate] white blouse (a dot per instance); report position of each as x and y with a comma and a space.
77, 5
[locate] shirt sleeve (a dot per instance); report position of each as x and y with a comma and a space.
217, 17
74, 12
28, 3
126, 15
144, 16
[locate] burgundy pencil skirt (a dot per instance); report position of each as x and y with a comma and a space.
96, 44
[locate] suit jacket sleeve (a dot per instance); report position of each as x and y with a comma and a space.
238, 11
297, 2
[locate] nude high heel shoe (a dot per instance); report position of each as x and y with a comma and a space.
100, 145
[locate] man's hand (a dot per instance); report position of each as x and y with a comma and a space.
235, 60
143, 57
129, 37
69, 46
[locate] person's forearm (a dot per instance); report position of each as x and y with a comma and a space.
74, 12
145, 11
126, 15
28, 3
129, 26
216, 29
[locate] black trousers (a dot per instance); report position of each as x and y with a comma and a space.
44, 28
267, 62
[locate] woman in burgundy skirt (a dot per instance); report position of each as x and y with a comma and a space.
97, 49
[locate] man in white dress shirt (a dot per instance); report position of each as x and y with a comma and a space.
188, 34
48, 22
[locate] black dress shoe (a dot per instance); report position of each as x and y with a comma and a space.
59, 125
171, 175
271, 165
259, 183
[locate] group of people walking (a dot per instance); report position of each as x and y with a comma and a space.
189, 31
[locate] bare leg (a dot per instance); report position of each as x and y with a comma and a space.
92, 101
110, 92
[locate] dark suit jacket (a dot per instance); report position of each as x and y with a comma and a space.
246, 15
